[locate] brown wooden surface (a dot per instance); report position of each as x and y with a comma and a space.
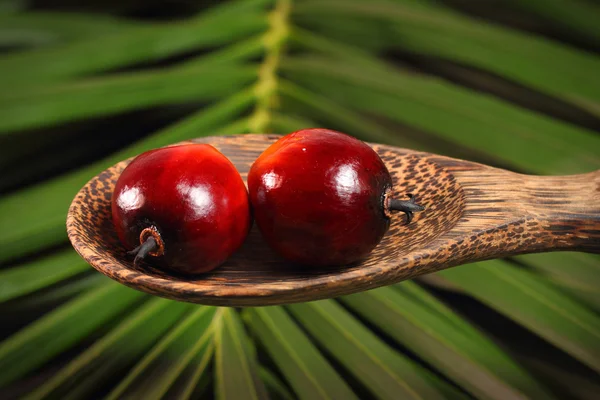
473, 212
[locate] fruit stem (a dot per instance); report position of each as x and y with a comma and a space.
144, 249
408, 207
150, 244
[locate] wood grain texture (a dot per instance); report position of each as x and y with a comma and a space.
473, 212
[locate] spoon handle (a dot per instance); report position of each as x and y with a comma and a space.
527, 214
567, 210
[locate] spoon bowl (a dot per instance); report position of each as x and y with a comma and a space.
472, 212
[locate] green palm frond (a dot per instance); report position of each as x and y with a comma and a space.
277, 66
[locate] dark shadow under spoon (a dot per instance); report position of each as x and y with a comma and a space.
472, 212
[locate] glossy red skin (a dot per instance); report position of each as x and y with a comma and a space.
196, 199
318, 197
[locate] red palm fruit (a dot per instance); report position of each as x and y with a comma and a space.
186, 206
320, 197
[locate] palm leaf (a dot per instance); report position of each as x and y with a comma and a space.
578, 15
118, 348
21, 280
453, 346
157, 372
275, 387
433, 30
54, 104
371, 361
51, 28
535, 305
306, 370
236, 369
140, 43
67, 325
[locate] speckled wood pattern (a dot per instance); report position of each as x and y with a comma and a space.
473, 212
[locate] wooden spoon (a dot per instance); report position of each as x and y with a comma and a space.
473, 212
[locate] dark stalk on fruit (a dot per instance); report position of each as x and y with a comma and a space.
150, 244
408, 207
143, 250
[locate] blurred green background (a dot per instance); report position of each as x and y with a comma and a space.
510, 83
